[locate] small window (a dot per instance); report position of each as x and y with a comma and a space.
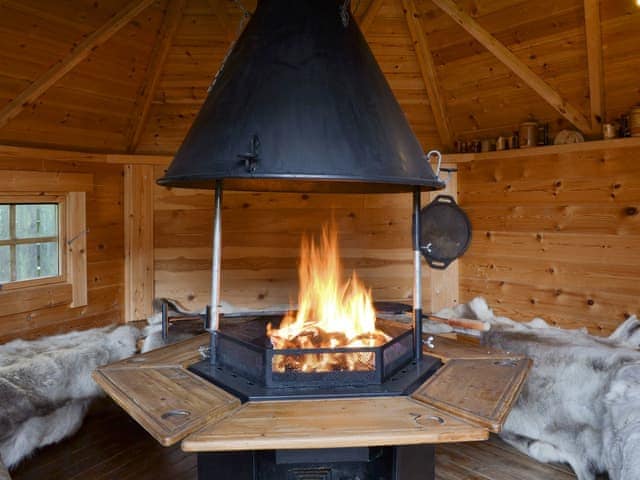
30, 241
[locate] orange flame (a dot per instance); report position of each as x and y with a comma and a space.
330, 314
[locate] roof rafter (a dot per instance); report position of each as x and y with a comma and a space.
81, 51
517, 66
146, 93
428, 70
593, 34
370, 15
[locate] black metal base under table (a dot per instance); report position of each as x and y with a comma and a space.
408, 462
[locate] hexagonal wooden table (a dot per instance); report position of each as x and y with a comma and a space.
468, 397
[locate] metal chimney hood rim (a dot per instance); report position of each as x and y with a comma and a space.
369, 183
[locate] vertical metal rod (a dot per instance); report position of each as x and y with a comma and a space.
165, 320
212, 322
417, 277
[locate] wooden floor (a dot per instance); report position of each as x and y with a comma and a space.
112, 446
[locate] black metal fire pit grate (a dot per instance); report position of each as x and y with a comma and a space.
244, 365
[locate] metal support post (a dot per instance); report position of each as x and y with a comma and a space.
417, 277
212, 320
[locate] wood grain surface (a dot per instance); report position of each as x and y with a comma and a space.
181, 354
332, 423
169, 402
481, 391
47, 312
462, 348
151, 385
138, 241
555, 235
92, 107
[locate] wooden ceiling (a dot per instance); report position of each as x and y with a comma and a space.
130, 75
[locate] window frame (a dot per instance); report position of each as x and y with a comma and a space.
74, 187
60, 201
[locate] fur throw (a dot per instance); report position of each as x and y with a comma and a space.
46, 385
4, 473
581, 402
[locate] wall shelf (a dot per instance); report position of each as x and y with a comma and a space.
546, 150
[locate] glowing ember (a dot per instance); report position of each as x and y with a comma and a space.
331, 314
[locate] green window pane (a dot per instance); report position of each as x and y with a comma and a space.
33, 221
37, 260
4, 222
5, 264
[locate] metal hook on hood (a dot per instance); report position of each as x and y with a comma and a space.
439, 157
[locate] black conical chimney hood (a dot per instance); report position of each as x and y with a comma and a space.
300, 104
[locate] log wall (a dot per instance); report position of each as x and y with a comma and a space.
555, 235
105, 255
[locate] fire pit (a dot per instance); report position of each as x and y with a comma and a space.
331, 346
247, 366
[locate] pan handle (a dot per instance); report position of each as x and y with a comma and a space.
439, 264
438, 155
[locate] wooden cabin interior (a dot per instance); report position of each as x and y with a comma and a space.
97, 96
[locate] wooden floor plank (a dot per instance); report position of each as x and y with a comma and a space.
111, 446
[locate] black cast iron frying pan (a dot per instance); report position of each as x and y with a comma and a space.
445, 232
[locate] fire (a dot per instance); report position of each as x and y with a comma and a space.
331, 314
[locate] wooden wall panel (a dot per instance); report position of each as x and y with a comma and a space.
555, 236
105, 255
445, 284
261, 240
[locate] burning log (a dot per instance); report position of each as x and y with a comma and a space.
314, 338
331, 314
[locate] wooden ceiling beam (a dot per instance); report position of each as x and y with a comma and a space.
517, 66
147, 91
370, 15
593, 31
78, 53
428, 70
